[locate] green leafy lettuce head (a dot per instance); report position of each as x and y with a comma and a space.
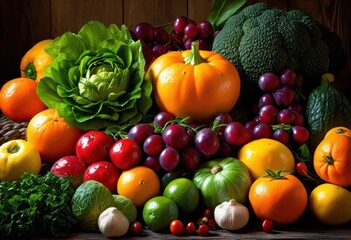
96, 78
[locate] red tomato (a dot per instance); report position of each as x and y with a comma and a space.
301, 169
136, 227
267, 226
104, 172
176, 227
125, 153
94, 146
70, 166
190, 228
207, 213
203, 230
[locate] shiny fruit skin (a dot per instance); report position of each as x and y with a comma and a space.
261, 154
104, 172
281, 200
125, 153
330, 204
70, 167
94, 146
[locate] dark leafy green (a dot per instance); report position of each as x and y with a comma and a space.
36, 206
222, 10
96, 78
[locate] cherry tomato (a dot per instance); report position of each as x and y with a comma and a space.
190, 228
104, 172
125, 153
203, 230
94, 146
267, 226
207, 213
176, 227
301, 169
211, 223
136, 227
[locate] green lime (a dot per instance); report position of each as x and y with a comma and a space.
184, 193
159, 212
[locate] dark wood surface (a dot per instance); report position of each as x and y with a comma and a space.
288, 232
306, 227
25, 22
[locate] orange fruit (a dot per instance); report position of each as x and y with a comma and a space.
282, 200
139, 184
52, 136
331, 159
339, 130
19, 100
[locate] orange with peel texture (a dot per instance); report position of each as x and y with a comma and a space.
51, 135
19, 100
139, 184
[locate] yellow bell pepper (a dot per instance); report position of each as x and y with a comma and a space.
35, 60
16, 157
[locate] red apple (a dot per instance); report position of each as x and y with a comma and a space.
94, 146
104, 172
70, 167
125, 153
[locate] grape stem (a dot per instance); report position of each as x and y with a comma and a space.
286, 127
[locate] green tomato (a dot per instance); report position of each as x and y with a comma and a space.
221, 180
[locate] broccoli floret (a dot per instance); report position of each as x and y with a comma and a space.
263, 56
260, 39
294, 44
315, 60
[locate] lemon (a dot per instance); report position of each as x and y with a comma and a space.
264, 153
331, 204
159, 212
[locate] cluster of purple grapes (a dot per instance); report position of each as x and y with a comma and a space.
279, 114
171, 143
156, 40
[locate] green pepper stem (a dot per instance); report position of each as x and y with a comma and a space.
13, 149
30, 71
329, 160
194, 58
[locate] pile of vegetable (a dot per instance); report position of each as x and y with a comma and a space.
126, 139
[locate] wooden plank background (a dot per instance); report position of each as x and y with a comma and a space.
25, 22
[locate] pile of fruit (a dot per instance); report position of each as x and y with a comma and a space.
150, 128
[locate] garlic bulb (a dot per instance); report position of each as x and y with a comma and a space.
113, 223
231, 215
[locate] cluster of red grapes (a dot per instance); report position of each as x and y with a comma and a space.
156, 40
171, 143
279, 114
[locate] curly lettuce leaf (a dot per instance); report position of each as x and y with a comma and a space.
96, 79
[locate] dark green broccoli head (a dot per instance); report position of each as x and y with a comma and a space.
260, 39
